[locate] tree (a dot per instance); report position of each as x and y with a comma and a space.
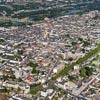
2, 40
33, 65
86, 71
89, 71
83, 72
35, 89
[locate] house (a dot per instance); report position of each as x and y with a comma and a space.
44, 94
70, 85
58, 68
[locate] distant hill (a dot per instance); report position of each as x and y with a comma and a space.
36, 10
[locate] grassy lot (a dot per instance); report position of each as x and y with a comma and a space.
35, 88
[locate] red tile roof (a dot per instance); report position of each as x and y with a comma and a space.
2, 97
